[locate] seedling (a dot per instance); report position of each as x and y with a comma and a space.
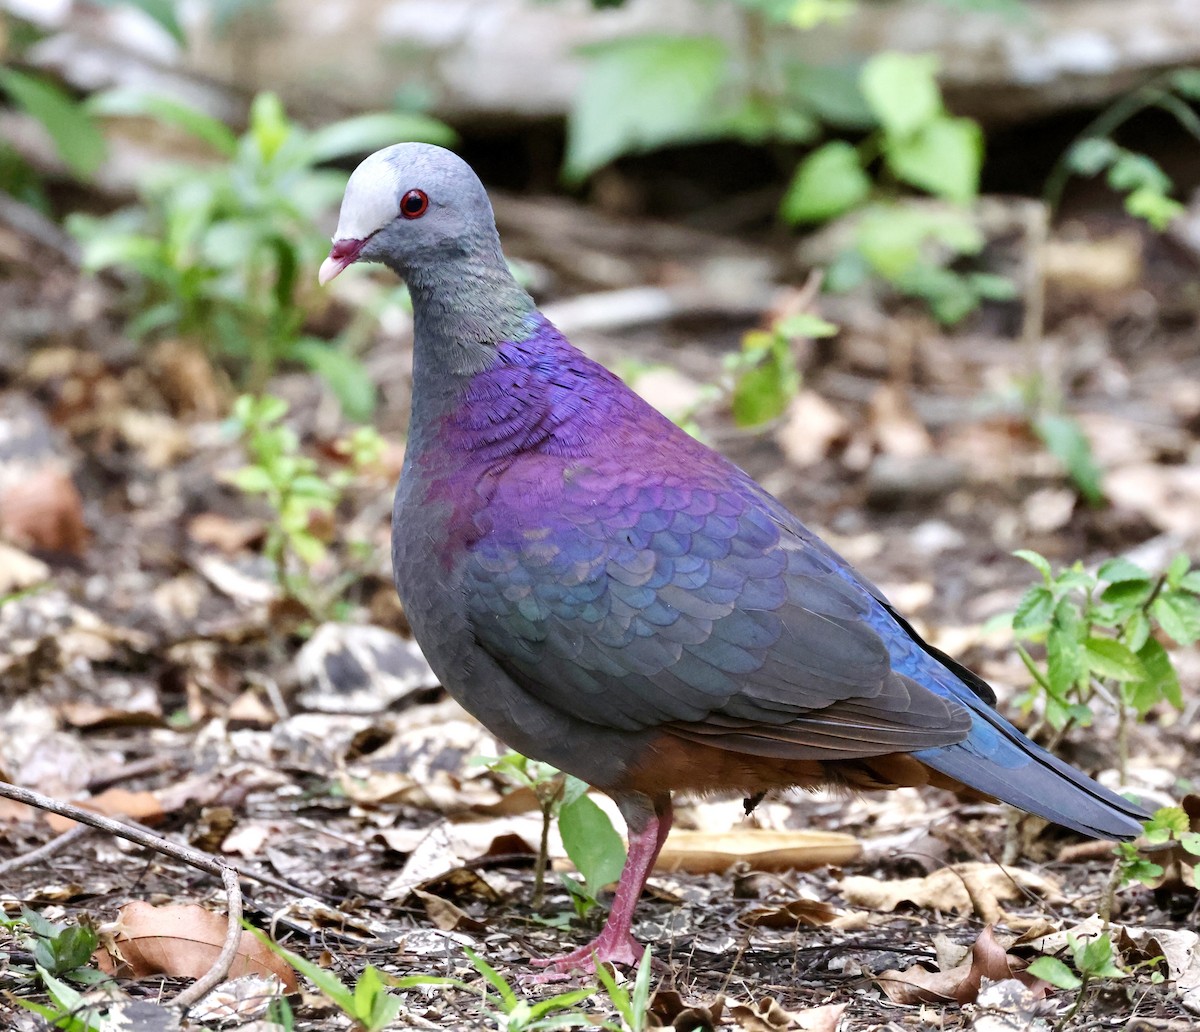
1147, 188
296, 490
588, 836
60, 951
1093, 959
1099, 636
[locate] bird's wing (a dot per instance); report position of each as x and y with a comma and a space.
705, 608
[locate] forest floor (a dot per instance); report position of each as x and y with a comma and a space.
150, 665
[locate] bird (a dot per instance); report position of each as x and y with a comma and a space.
607, 594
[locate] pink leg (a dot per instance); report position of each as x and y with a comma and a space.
615, 944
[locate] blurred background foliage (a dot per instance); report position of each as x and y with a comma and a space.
218, 242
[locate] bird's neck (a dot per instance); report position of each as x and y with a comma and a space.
461, 308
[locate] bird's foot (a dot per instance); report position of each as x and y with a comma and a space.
619, 948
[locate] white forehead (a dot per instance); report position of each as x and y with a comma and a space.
371, 197
373, 193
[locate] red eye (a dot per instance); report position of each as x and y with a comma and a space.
413, 204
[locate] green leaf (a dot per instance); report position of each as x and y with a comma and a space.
829, 182
1191, 582
1177, 568
1037, 561
371, 131
1187, 82
1107, 657
135, 103
759, 396
1034, 610
1065, 440
942, 157
1064, 653
76, 136
640, 93
251, 480
1096, 957
1120, 570
1092, 156
1178, 614
831, 92
1133, 171
325, 980
902, 91
1054, 971
591, 842
1154, 206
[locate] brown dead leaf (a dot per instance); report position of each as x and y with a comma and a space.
446, 916
187, 379
810, 430
767, 1015
960, 984
160, 440
811, 913
961, 888
669, 1009
895, 426
222, 532
144, 807
706, 852
1167, 496
183, 942
44, 511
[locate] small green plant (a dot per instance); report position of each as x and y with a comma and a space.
513, 1013
916, 143
223, 252
766, 376
633, 1008
368, 1005
297, 491
1094, 960
1099, 636
644, 92
588, 836
1169, 826
58, 948
593, 845
60, 951
1147, 188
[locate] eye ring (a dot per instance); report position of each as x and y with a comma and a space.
414, 204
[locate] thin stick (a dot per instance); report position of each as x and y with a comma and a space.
47, 849
185, 854
217, 974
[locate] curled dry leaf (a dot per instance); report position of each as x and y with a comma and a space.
768, 1015
988, 959
183, 942
446, 915
668, 1008
812, 913
704, 852
1178, 947
962, 888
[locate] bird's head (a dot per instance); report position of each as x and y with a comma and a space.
411, 206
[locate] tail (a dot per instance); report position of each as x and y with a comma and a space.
995, 758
